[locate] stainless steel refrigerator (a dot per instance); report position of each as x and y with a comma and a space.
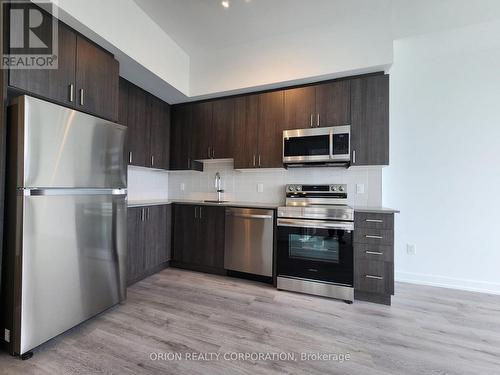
66, 220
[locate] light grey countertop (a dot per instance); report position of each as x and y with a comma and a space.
156, 202
375, 209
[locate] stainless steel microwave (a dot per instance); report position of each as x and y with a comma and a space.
317, 146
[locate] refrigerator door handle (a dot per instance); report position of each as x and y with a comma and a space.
42, 192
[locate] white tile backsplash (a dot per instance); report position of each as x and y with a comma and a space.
243, 185
145, 184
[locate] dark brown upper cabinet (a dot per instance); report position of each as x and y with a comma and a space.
139, 127
148, 121
246, 132
86, 77
300, 107
258, 131
270, 125
333, 104
202, 130
160, 134
54, 84
223, 119
97, 74
180, 138
322, 105
370, 120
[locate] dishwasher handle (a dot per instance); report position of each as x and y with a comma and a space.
251, 216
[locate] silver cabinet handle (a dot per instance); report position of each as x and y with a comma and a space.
152, 160
374, 252
130, 157
311, 122
148, 213
195, 212
71, 93
374, 277
373, 236
254, 160
81, 97
208, 152
317, 121
142, 214
259, 160
374, 221
243, 216
200, 211
354, 157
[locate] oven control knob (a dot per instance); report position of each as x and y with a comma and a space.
291, 188
341, 188
298, 187
333, 188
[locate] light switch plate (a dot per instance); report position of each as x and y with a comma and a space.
411, 249
360, 188
260, 188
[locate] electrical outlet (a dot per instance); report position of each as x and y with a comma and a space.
260, 188
411, 249
360, 188
183, 186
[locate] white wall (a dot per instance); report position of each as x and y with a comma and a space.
146, 184
445, 161
241, 186
358, 42
124, 25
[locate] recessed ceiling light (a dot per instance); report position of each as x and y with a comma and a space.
225, 3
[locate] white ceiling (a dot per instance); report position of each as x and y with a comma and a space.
201, 25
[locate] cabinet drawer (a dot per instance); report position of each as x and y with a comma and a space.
373, 220
374, 252
373, 276
374, 236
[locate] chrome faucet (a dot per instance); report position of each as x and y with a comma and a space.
218, 187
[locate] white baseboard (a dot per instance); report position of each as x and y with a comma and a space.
448, 282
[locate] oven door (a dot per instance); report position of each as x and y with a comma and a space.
316, 250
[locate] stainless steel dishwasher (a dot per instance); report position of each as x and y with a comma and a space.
249, 241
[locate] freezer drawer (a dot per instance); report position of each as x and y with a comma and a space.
249, 241
73, 250
57, 147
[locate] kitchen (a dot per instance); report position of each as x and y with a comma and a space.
237, 221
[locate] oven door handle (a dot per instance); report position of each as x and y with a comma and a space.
320, 224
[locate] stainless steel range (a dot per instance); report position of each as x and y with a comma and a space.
315, 233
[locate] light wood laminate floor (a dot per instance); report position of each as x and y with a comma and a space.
426, 331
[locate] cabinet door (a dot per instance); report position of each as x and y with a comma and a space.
180, 138
123, 102
138, 127
202, 130
160, 134
271, 130
223, 128
157, 236
370, 120
333, 104
210, 247
135, 244
185, 233
300, 108
246, 131
97, 74
53, 84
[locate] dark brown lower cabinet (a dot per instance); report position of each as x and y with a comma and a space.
149, 240
199, 238
374, 257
